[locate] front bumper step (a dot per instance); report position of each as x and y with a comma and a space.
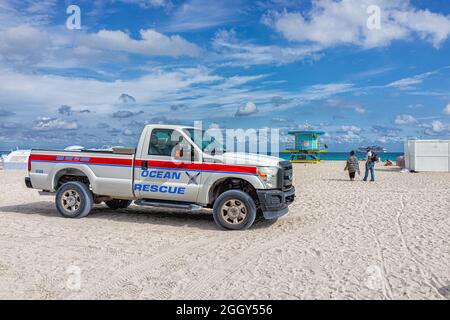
274, 203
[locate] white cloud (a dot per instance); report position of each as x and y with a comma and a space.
280, 119
411, 82
30, 12
245, 53
197, 88
415, 106
438, 127
202, 14
344, 104
147, 3
152, 43
44, 91
128, 132
405, 119
446, 110
23, 44
430, 26
122, 114
246, 110
349, 133
322, 91
331, 23
47, 123
351, 128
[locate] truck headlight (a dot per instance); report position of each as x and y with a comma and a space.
268, 175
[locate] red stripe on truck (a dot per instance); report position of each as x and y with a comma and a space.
83, 159
198, 166
173, 165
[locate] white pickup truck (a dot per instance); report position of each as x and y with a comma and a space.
169, 168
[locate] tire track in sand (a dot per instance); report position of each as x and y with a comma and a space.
429, 278
201, 288
136, 271
386, 287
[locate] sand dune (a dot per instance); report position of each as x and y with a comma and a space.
341, 240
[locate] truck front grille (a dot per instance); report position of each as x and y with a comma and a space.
285, 175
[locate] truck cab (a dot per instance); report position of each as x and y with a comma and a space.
172, 166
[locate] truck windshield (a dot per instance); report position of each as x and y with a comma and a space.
205, 141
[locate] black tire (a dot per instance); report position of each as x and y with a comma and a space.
83, 198
235, 199
118, 204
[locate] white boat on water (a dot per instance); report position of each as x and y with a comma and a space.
17, 159
74, 148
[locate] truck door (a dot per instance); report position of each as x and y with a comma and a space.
168, 168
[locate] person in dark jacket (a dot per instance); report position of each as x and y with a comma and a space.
352, 166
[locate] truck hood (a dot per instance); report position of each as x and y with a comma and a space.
250, 159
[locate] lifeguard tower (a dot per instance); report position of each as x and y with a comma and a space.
307, 148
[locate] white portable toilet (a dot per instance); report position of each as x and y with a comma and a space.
427, 155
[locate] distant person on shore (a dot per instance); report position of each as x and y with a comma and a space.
352, 166
371, 158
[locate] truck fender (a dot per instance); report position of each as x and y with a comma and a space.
54, 175
211, 182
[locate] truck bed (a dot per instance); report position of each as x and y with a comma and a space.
115, 150
110, 173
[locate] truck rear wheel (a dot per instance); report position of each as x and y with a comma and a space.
234, 210
74, 200
118, 204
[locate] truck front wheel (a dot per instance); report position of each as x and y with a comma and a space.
235, 210
74, 200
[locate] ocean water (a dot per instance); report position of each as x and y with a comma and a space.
342, 156
330, 156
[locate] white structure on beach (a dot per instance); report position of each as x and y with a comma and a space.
427, 155
17, 159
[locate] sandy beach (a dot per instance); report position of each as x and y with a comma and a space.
341, 240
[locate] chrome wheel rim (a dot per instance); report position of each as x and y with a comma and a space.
71, 200
233, 211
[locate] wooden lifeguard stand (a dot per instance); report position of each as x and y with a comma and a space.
307, 148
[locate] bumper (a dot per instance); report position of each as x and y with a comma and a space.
274, 203
28, 182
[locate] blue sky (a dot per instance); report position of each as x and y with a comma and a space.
233, 63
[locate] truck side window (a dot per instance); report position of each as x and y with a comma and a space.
161, 143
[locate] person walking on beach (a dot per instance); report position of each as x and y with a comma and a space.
371, 158
352, 165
